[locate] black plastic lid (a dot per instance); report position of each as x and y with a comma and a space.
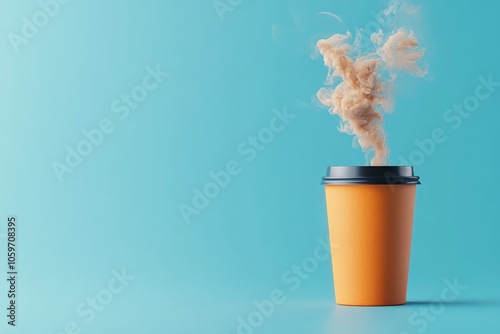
370, 175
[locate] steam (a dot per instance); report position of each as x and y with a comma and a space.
363, 93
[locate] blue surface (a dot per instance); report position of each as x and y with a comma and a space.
120, 206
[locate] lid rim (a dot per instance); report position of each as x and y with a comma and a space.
370, 175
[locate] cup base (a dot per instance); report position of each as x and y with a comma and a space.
370, 305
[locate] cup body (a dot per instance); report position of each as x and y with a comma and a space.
370, 228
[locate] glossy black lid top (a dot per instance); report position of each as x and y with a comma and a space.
370, 175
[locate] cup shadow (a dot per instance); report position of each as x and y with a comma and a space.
465, 302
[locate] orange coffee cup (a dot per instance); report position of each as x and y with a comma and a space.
370, 219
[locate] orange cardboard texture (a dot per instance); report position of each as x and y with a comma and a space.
370, 227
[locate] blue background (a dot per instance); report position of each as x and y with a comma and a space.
120, 207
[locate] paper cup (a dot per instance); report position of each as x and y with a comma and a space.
370, 219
